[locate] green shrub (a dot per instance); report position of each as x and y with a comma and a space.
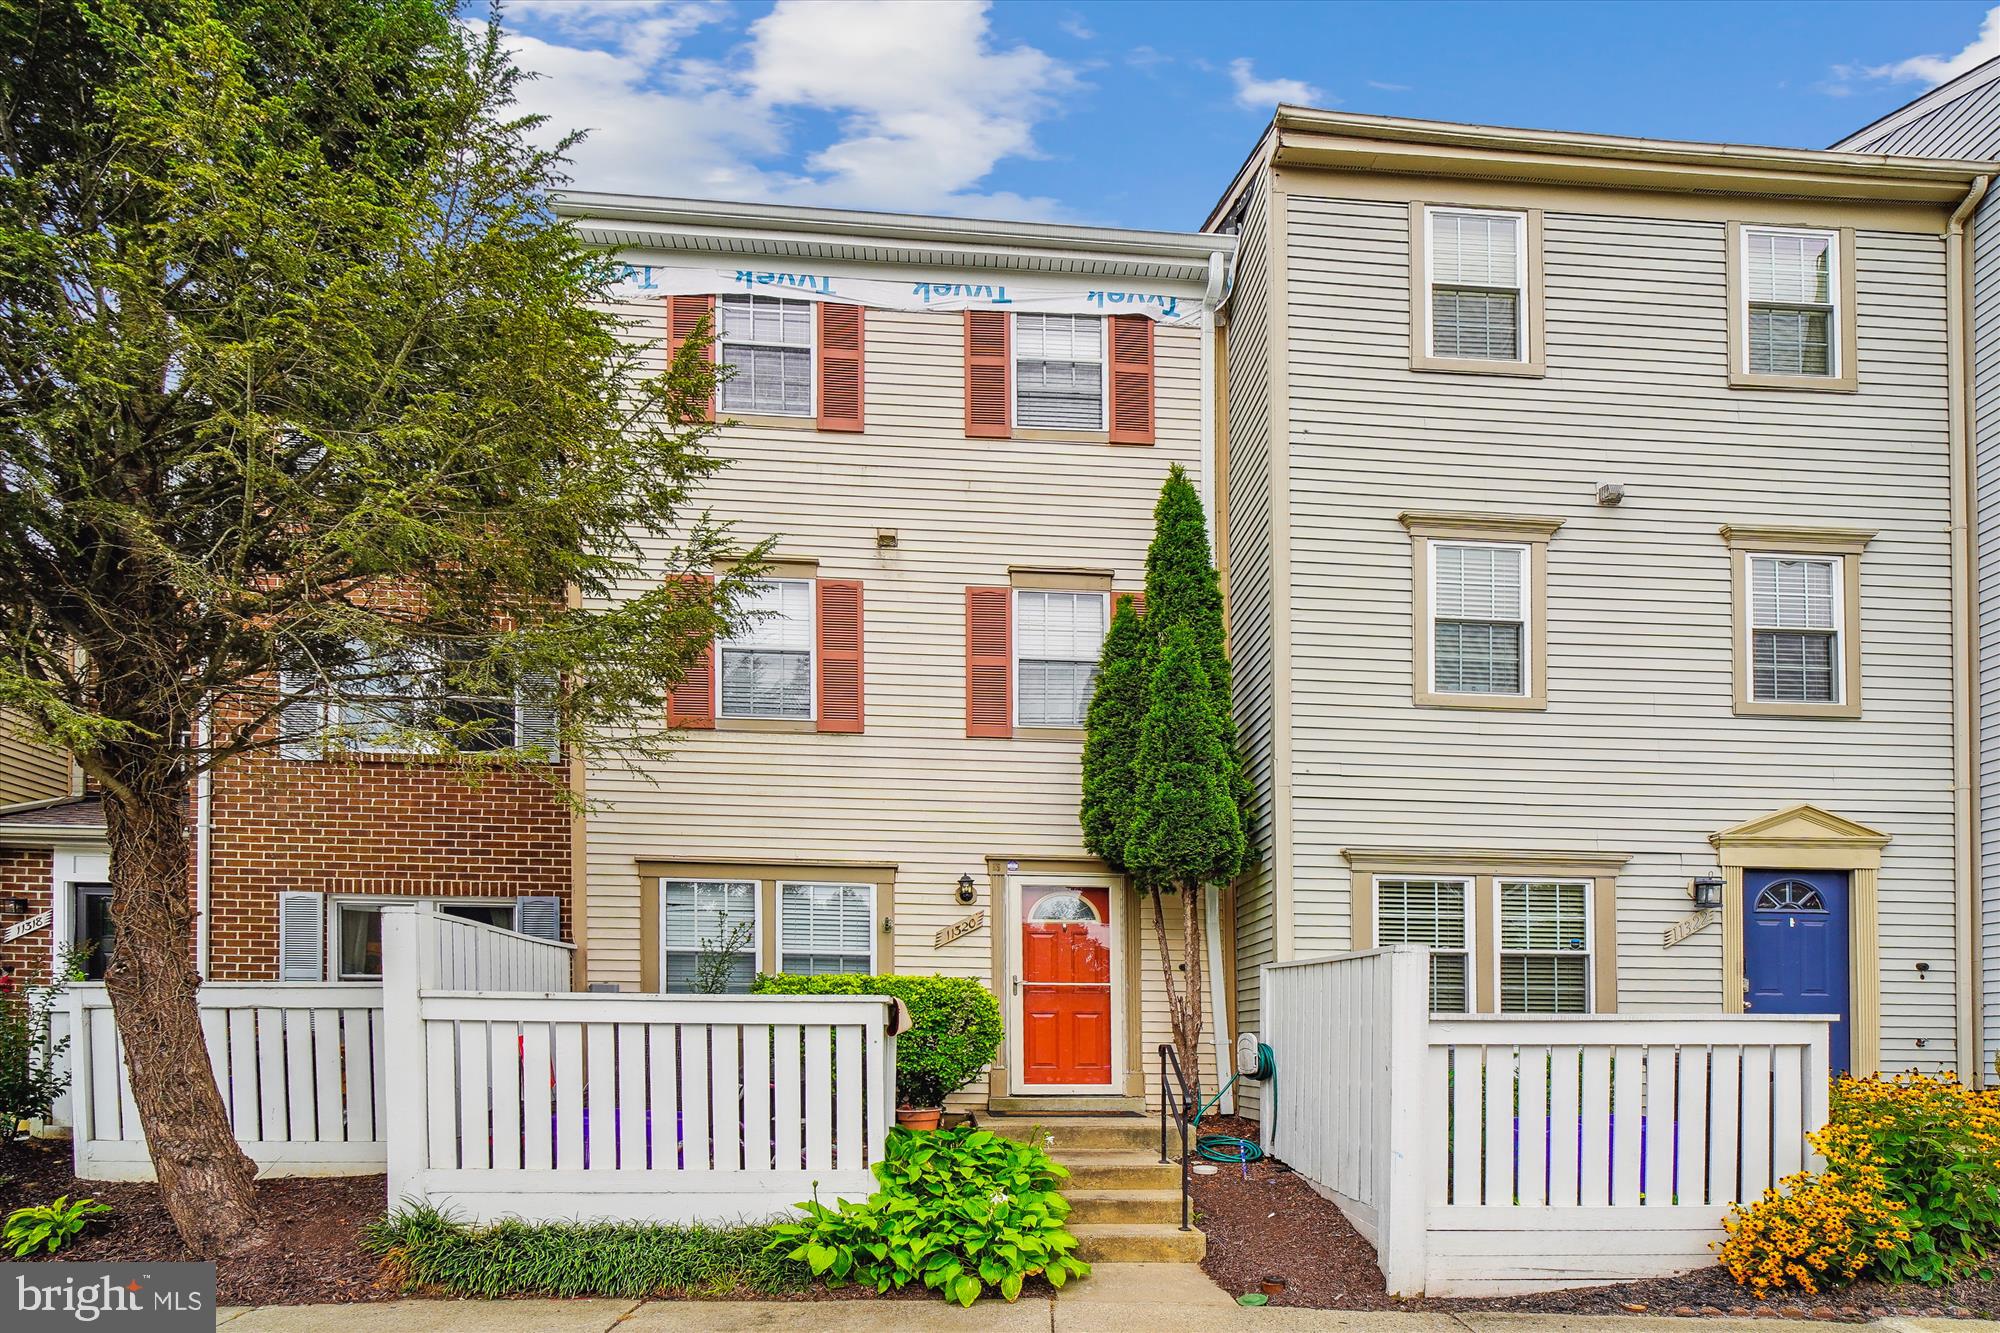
31, 1074
427, 1248
954, 1027
963, 1211
50, 1226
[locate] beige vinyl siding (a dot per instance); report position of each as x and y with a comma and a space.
1249, 555
1638, 751
912, 790
29, 770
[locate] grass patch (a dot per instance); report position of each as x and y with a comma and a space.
428, 1248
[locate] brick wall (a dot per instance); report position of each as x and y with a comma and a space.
26, 873
373, 826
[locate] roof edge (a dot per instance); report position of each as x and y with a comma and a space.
1956, 86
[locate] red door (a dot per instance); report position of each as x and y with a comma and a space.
1065, 986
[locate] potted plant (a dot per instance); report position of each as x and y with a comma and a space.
954, 1033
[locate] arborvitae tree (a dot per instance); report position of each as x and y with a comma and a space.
1182, 588
1111, 736
303, 388
1186, 833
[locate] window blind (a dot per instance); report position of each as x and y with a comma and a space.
1430, 912
1544, 946
1475, 262
1479, 616
767, 665
1059, 371
826, 928
1789, 289
1058, 637
1793, 634
768, 344
700, 912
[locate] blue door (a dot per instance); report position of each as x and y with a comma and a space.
1795, 946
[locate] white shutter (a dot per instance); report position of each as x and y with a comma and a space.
538, 915
301, 936
302, 717
535, 719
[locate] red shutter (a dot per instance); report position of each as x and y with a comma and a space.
692, 702
989, 666
839, 654
840, 374
684, 316
988, 375
1131, 379
1138, 600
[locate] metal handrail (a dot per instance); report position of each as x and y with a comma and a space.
1184, 1108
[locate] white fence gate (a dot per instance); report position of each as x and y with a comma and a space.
628, 1107
1489, 1154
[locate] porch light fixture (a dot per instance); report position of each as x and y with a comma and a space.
965, 889
17, 906
1706, 892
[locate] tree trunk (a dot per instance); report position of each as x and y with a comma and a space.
1184, 998
206, 1182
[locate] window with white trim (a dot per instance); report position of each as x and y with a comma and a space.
357, 928
1057, 639
1479, 617
412, 698
1791, 314
1476, 264
826, 928
768, 343
1795, 614
716, 918
1435, 912
1545, 946
767, 666
1059, 372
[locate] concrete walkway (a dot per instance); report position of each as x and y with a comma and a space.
1117, 1298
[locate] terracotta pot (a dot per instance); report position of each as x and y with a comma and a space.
1272, 1286
915, 1117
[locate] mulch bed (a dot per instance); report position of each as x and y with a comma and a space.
1266, 1221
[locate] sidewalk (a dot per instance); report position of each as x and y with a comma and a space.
1117, 1298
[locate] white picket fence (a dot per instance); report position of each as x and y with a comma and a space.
299, 1068
1490, 1154
471, 955
627, 1107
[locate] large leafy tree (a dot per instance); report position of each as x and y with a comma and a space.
302, 387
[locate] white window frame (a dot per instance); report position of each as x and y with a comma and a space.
1836, 319
722, 646
811, 346
1527, 622
335, 902
1103, 364
1014, 648
1588, 952
1470, 886
1750, 627
874, 904
756, 920
1521, 270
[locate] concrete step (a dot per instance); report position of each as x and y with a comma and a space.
1101, 1104
1122, 1133
1090, 1207
1138, 1243
1099, 1169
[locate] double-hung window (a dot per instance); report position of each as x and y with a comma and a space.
413, 698
767, 665
1791, 301
1479, 618
826, 928
1795, 650
767, 344
1436, 912
1476, 284
1059, 372
1544, 946
709, 933
1058, 636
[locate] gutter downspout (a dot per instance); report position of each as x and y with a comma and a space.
1218, 274
1966, 872
204, 842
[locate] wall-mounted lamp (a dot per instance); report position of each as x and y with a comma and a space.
1610, 493
1923, 971
1706, 890
965, 894
17, 906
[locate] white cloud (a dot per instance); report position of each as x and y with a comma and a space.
1381, 87
923, 105
1073, 24
1259, 94
1929, 70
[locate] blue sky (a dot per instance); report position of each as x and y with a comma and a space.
1136, 114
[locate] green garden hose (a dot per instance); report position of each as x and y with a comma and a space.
1228, 1147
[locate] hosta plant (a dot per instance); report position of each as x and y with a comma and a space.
963, 1211
50, 1226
